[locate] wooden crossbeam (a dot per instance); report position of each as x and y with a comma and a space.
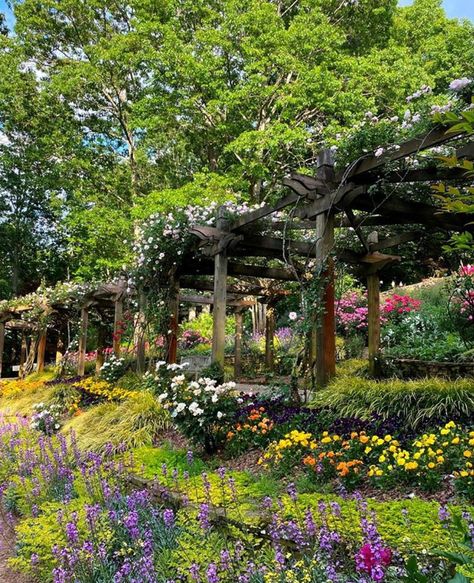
395, 240
372, 162
275, 244
200, 284
466, 151
424, 175
415, 212
209, 300
264, 211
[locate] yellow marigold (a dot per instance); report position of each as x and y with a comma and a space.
467, 453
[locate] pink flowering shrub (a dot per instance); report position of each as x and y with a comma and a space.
352, 311
462, 301
192, 338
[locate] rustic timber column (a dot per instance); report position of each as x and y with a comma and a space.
373, 318
2, 345
220, 295
325, 337
41, 351
23, 351
238, 343
172, 337
59, 348
118, 316
270, 338
81, 362
101, 340
141, 325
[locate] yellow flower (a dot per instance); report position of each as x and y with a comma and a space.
467, 453
431, 465
455, 441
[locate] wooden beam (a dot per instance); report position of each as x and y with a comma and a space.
41, 351
413, 211
239, 327
203, 300
118, 323
371, 162
2, 345
307, 186
280, 245
293, 224
263, 212
466, 152
435, 174
81, 361
396, 240
220, 296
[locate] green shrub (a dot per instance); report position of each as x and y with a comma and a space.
413, 401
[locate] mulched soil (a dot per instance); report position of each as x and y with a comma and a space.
7, 543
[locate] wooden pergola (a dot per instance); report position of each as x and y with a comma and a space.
352, 197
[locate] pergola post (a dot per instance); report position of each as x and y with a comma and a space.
140, 336
41, 351
172, 338
325, 337
220, 296
118, 316
373, 319
81, 362
101, 340
23, 350
238, 343
2, 345
270, 338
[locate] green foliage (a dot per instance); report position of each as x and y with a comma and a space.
413, 401
204, 323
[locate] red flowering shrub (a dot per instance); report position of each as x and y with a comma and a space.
399, 304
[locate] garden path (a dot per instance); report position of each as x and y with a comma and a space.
7, 543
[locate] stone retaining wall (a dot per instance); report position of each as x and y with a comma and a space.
409, 368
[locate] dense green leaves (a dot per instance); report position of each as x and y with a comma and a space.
118, 110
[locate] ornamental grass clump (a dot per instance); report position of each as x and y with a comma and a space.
416, 404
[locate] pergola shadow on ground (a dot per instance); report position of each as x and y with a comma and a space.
367, 193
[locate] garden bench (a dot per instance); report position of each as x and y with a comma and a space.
196, 363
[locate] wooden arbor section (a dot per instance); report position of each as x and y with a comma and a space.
353, 198
107, 297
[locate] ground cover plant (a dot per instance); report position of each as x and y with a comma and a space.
93, 527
